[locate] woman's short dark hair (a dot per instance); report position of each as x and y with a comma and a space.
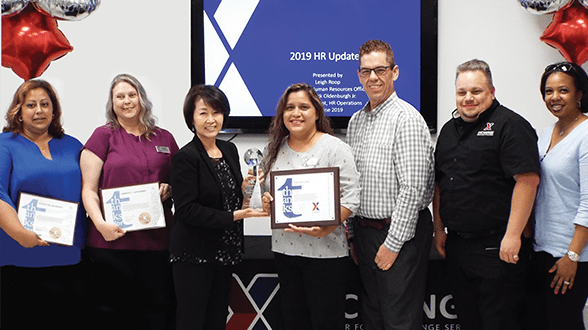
14, 114
578, 75
212, 96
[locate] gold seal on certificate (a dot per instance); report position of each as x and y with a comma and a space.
305, 197
52, 219
55, 232
144, 218
132, 208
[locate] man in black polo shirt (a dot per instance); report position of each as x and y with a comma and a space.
487, 172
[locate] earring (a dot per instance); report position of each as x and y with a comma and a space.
579, 105
20, 119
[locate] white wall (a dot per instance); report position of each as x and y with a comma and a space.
506, 36
152, 42
143, 38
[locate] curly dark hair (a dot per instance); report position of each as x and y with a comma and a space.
14, 115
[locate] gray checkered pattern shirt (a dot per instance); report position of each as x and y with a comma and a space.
394, 155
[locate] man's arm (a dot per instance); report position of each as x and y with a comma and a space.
440, 235
523, 197
413, 158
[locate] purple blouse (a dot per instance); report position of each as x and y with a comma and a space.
129, 160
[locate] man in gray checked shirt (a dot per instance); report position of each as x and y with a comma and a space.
393, 227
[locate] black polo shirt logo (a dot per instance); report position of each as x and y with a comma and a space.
487, 131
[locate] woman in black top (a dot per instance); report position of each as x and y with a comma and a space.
206, 239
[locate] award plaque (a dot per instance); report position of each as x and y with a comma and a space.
132, 208
305, 197
52, 219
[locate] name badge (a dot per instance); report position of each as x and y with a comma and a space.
311, 162
162, 149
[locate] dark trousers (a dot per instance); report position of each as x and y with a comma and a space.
560, 311
41, 298
393, 299
131, 289
312, 292
202, 293
487, 291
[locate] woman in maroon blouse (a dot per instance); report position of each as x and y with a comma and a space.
132, 269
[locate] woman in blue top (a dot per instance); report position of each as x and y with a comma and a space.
37, 157
561, 208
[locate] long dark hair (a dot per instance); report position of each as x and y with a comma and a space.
278, 131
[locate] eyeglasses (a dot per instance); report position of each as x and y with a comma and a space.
381, 70
564, 67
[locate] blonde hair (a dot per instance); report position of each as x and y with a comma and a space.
146, 118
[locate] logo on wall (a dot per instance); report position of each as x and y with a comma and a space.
248, 303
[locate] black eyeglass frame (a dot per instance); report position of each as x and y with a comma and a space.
385, 68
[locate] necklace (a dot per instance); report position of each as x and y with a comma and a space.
561, 131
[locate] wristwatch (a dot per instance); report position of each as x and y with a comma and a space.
573, 256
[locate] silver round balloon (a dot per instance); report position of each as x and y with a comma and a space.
584, 3
10, 7
540, 7
69, 10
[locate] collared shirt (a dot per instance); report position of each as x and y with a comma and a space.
394, 154
476, 164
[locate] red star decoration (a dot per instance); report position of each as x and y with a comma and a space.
568, 32
30, 41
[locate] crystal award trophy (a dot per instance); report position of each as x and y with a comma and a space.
252, 196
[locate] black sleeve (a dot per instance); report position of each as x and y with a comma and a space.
196, 194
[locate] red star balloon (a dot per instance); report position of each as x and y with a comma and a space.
568, 32
30, 41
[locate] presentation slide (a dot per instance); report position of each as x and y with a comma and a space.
255, 49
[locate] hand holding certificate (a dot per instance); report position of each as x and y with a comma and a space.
134, 208
52, 219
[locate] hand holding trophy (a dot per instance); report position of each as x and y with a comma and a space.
252, 195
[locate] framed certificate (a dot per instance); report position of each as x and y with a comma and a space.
52, 219
305, 197
135, 207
